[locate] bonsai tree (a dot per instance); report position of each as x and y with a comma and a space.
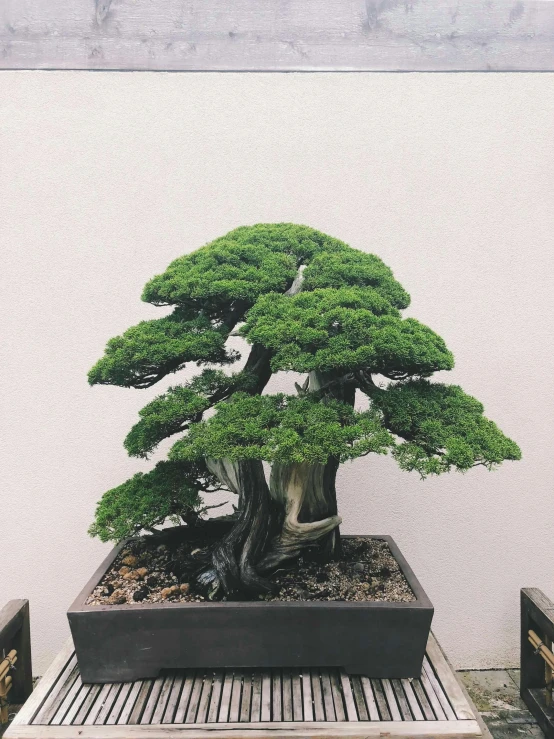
306, 303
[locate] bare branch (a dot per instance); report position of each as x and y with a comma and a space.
210, 507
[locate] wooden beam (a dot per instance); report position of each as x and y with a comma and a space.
301, 730
296, 35
535, 702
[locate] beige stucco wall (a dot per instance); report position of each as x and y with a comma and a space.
106, 177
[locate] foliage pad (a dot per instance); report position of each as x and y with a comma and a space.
147, 500
180, 406
342, 331
152, 349
349, 268
284, 428
443, 427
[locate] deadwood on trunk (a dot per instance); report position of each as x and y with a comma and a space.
299, 489
233, 566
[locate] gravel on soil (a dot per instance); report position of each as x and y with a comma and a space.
150, 572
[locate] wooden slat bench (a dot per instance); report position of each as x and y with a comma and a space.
312, 702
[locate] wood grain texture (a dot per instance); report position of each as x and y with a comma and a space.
378, 729
412, 700
316, 702
291, 35
448, 680
42, 696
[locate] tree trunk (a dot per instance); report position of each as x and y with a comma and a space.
234, 558
298, 511
323, 504
305, 491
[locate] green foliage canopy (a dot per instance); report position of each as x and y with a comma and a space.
180, 406
147, 352
348, 268
218, 274
345, 324
283, 428
343, 330
238, 268
146, 500
443, 428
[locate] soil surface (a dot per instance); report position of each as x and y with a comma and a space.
150, 571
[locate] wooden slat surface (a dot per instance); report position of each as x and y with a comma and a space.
317, 696
171, 707
325, 730
84, 709
215, 697
205, 695
415, 708
328, 701
137, 709
132, 697
50, 709
184, 698
369, 696
448, 680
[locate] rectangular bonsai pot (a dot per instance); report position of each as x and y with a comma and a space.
118, 643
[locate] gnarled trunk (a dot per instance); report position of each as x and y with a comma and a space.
307, 494
234, 558
276, 523
322, 504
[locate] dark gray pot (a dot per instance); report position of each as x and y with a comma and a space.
130, 642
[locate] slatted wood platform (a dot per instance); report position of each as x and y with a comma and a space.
312, 702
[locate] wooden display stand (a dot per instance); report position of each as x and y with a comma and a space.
200, 703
